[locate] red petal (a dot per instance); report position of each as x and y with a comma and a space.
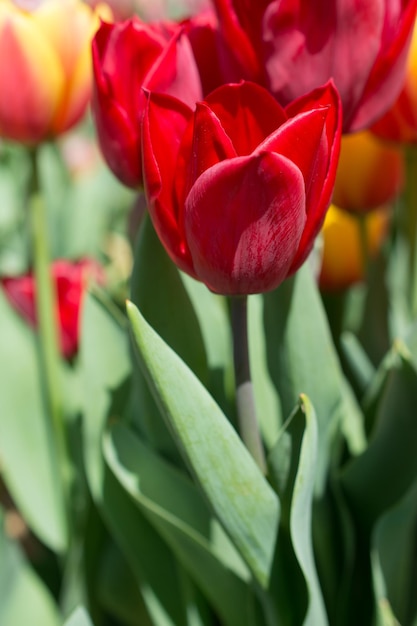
244, 219
248, 114
204, 144
322, 173
164, 123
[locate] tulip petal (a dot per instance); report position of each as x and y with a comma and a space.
175, 71
243, 220
207, 142
387, 76
315, 41
246, 106
237, 42
119, 139
165, 117
322, 177
139, 47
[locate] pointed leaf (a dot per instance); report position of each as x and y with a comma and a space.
238, 493
79, 617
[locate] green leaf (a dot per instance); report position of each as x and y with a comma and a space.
105, 366
302, 359
213, 317
28, 458
395, 545
117, 589
238, 493
292, 467
23, 597
390, 462
79, 617
157, 288
357, 361
158, 291
301, 516
178, 511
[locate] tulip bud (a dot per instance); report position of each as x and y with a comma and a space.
342, 254
370, 173
128, 57
45, 68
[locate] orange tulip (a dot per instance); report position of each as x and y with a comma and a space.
343, 259
370, 173
45, 67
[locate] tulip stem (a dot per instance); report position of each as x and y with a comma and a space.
46, 312
364, 244
411, 224
245, 400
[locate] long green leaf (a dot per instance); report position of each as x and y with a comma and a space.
301, 516
238, 493
177, 509
105, 365
302, 359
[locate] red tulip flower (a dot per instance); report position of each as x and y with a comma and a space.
126, 58
238, 189
70, 282
301, 44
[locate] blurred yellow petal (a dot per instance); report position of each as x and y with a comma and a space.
370, 173
342, 261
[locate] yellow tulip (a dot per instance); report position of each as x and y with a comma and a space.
45, 67
370, 173
342, 254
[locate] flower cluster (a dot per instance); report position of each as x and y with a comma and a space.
229, 122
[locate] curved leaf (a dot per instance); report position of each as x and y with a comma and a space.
301, 516
238, 493
178, 511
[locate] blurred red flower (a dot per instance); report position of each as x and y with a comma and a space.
70, 281
299, 45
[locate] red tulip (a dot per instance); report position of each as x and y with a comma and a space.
238, 189
300, 44
70, 283
127, 57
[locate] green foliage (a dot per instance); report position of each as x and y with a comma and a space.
171, 521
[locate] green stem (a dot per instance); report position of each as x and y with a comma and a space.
363, 237
245, 400
46, 309
410, 225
